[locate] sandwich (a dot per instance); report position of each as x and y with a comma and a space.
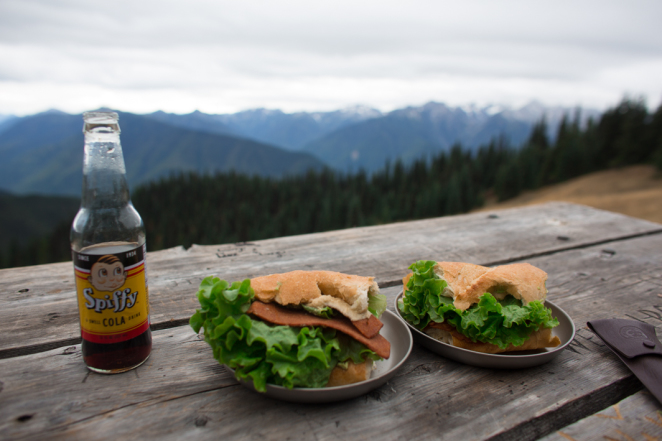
298, 329
482, 309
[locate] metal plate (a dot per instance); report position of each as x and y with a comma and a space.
565, 331
395, 331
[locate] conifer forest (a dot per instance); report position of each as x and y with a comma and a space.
187, 209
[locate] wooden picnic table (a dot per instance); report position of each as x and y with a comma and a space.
600, 265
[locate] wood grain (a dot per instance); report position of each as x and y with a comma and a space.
638, 417
38, 310
181, 392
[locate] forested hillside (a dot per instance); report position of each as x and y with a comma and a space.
210, 209
25, 217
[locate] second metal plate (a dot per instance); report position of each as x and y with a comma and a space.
565, 331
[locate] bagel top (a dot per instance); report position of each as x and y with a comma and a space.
467, 282
345, 293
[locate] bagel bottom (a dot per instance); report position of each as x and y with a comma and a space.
354, 373
542, 338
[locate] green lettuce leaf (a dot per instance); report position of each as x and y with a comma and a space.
264, 353
324, 312
377, 304
500, 322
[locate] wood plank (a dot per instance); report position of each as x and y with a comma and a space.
38, 310
638, 417
181, 391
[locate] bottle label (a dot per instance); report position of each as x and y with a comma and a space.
113, 301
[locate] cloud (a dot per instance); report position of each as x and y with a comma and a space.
295, 55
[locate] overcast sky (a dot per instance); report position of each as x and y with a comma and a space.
221, 56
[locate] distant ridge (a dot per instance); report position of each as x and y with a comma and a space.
287, 130
413, 132
6, 122
43, 153
365, 138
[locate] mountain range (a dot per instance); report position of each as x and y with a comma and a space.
412, 133
365, 138
42, 153
287, 130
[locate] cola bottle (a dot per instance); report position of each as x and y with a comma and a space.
108, 252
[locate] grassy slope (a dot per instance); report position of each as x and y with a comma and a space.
635, 191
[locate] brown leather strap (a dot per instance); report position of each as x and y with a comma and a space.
637, 346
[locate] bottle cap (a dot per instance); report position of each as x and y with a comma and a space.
101, 121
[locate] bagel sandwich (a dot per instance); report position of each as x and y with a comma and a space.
490, 310
297, 329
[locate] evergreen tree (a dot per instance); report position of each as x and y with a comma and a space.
621, 135
454, 200
655, 138
533, 156
508, 181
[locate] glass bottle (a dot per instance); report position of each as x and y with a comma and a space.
108, 251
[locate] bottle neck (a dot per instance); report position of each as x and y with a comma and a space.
104, 174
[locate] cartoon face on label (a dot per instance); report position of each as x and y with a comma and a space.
107, 274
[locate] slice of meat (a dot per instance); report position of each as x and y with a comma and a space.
368, 327
279, 315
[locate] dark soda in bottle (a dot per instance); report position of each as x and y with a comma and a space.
108, 251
